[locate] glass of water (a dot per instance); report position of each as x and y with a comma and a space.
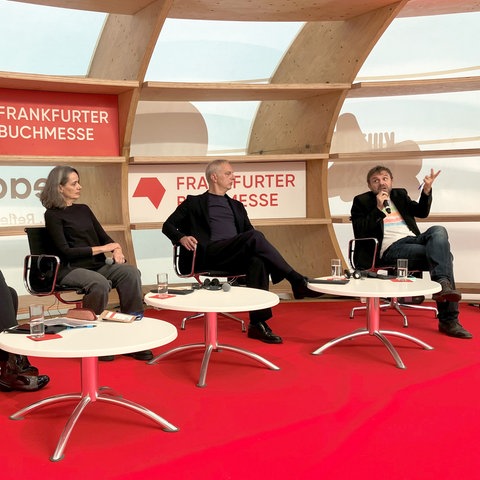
162, 284
336, 265
37, 320
402, 269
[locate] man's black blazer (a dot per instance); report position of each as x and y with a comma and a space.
367, 219
191, 218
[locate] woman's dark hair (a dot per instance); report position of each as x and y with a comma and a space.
50, 196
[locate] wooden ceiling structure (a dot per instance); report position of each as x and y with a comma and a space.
337, 38
265, 11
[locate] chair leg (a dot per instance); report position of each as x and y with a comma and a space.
397, 305
354, 309
199, 315
394, 303
233, 317
420, 307
190, 317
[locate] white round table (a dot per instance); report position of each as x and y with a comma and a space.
373, 289
212, 302
106, 338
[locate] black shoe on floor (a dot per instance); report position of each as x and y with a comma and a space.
447, 293
454, 329
300, 290
144, 355
23, 383
106, 358
261, 331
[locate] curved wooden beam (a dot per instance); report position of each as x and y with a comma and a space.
323, 52
273, 10
329, 52
124, 51
127, 43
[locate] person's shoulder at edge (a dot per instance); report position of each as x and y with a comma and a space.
74, 209
366, 194
74, 206
191, 197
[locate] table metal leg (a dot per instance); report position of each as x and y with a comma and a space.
190, 346
390, 348
90, 393
211, 345
250, 354
416, 340
67, 430
373, 328
122, 402
204, 367
44, 402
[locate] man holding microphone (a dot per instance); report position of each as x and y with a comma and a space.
388, 214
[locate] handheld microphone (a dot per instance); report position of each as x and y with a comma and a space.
386, 205
226, 287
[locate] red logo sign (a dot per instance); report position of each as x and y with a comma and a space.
150, 188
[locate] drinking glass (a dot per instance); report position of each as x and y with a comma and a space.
162, 284
402, 269
336, 267
37, 320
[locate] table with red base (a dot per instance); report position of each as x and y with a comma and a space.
373, 289
106, 338
212, 302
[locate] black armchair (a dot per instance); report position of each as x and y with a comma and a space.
184, 266
363, 256
40, 269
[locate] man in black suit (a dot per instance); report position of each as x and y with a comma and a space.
388, 214
218, 227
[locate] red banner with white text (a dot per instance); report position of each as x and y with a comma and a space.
58, 123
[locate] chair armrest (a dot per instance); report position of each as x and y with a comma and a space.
40, 274
362, 253
184, 261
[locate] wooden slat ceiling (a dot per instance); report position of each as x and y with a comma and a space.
267, 10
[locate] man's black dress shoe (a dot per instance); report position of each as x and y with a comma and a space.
144, 355
447, 293
261, 331
106, 358
300, 290
454, 329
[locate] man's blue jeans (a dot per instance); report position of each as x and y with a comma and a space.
428, 251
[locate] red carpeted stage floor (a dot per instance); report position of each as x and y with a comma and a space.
346, 413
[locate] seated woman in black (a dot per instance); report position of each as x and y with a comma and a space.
81, 243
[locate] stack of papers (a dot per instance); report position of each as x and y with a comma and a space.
69, 322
